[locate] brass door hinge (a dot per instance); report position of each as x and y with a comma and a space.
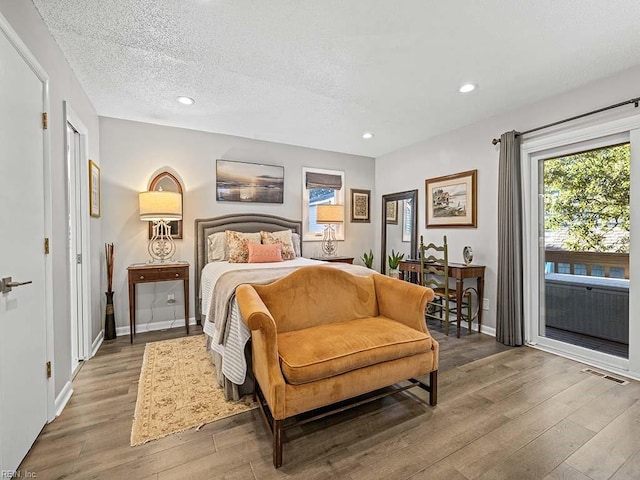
45, 121
48, 369
46, 245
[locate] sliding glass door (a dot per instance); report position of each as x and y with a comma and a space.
584, 242
580, 193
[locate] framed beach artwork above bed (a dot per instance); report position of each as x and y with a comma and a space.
249, 182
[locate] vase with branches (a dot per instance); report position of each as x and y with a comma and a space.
109, 320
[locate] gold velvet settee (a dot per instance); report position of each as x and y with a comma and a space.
321, 336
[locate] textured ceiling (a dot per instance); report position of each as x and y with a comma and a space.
319, 73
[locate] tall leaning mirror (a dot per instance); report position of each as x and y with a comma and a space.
167, 182
399, 226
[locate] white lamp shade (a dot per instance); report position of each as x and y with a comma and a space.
329, 214
160, 205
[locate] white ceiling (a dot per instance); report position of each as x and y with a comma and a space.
319, 73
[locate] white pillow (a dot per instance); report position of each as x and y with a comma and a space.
295, 239
217, 249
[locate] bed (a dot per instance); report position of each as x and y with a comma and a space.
226, 334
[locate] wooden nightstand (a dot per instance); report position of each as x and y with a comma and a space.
157, 272
334, 259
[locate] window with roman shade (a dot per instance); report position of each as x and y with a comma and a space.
320, 187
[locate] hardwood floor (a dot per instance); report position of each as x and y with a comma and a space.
503, 413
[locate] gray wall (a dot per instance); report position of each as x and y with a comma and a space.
63, 85
132, 153
470, 148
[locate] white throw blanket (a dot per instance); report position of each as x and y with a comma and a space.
229, 334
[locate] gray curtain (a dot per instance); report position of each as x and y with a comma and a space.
510, 314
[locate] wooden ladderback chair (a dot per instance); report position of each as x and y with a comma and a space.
434, 273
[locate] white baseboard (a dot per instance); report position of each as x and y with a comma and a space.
488, 330
96, 343
63, 398
154, 326
491, 331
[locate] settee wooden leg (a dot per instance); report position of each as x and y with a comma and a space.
433, 388
277, 443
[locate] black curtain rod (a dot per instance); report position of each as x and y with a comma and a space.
635, 102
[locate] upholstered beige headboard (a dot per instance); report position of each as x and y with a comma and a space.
240, 223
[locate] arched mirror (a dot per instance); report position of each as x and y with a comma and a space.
399, 226
167, 182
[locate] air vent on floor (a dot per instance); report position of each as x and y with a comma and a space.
617, 380
611, 378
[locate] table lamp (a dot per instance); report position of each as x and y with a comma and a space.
329, 216
160, 207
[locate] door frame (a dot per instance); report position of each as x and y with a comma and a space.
83, 223
42, 75
531, 153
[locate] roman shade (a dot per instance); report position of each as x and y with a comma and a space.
315, 180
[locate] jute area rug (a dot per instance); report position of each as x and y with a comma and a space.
178, 390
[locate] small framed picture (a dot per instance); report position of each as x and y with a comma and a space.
360, 209
94, 189
392, 212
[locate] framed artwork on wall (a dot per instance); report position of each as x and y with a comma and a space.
392, 213
94, 189
360, 208
451, 200
249, 182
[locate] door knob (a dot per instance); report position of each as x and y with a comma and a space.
6, 285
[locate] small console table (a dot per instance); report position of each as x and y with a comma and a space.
334, 259
410, 269
157, 272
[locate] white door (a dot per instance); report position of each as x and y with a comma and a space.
23, 381
75, 246
78, 236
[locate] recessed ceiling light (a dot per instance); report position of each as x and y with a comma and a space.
467, 87
186, 100
367, 135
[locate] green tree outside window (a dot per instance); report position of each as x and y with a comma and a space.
587, 195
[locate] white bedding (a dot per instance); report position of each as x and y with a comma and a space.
228, 335
212, 272
236, 334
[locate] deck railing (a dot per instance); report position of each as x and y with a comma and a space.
588, 263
